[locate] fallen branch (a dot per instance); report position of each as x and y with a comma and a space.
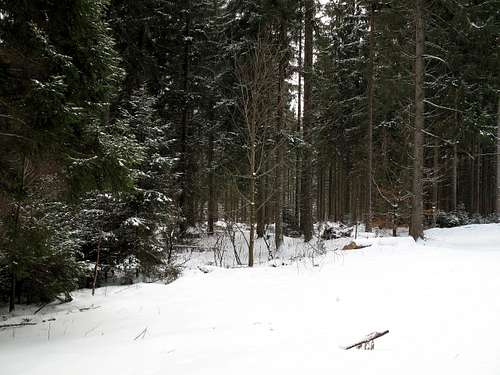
40, 309
82, 309
12, 325
367, 340
204, 269
142, 334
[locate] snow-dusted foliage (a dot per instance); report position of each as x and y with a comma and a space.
133, 228
461, 217
42, 248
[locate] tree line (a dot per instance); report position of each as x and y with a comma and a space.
124, 124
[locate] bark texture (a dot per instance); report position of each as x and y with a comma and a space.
498, 159
416, 227
369, 215
307, 220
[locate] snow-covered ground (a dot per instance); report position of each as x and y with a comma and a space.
440, 300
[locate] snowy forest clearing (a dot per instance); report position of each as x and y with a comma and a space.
438, 298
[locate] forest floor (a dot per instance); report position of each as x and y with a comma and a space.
439, 298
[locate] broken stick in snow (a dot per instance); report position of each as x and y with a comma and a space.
142, 334
368, 340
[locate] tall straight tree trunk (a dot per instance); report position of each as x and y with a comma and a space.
321, 192
479, 171
212, 196
455, 161
212, 199
384, 147
470, 185
98, 259
325, 193
17, 218
252, 174
417, 228
435, 179
299, 132
338, 190
280, 152
454, 178
13, 276
331, 192
353, 184
261, 206
186, 199
307, 220
369, 183
319, 185
498, 161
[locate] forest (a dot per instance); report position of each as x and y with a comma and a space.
130, 128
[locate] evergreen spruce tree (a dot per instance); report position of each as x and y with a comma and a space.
54, 126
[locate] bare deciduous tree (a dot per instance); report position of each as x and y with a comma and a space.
256, 74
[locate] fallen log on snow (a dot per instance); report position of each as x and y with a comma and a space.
14, 325
354, 246
368, 341
204, 269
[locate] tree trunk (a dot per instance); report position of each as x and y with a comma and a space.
17, 218
212, 196
186, 201
338, 190
319, 191
454, 178
384, 147
498, 161
212, 199
280, 152
324, 209
252, 174
331, 192
416, 228
98, 259
13, 280
479, 168
299, 132
307, 224
369, 215
471, 178
261, 207
435, 178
